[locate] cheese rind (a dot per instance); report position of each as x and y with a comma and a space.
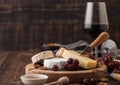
84, 61
42, 55
60, 62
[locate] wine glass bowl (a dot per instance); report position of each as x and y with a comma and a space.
96, 20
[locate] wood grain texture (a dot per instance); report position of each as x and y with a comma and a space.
3, 57
26, 24
13, 67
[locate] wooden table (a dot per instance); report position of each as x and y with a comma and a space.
12, 66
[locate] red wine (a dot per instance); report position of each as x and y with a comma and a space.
95, 29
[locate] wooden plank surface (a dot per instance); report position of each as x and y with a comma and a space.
26, 24
3, 57
12, 66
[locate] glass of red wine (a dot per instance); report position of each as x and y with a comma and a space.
96, 20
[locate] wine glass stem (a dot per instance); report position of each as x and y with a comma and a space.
96, 52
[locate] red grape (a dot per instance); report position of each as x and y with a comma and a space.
87, 81
105, 60
66, 66
55, 68
94, 81
116, 65
90, 81
76, 62
71, 67
110, 66
109, 57
70, 61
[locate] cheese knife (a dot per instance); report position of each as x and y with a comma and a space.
99, 40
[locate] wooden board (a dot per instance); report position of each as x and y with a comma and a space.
74, 76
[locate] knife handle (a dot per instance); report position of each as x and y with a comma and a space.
115, 76
100, 39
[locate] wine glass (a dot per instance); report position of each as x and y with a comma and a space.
96, 20
109, 47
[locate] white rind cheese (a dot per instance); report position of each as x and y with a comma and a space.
84, 61
42, 55
60, 62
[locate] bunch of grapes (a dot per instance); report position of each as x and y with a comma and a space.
110, 63
90, 81
72, 64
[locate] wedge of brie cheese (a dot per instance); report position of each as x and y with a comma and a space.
60, 62
84, 61
42, 55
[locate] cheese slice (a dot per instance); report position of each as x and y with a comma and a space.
42, 55
84, 61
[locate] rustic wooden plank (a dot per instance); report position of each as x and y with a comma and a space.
3, 57
13, 67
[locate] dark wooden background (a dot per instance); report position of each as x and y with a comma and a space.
27, 24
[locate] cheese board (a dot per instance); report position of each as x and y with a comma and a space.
74, 76
86, 70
